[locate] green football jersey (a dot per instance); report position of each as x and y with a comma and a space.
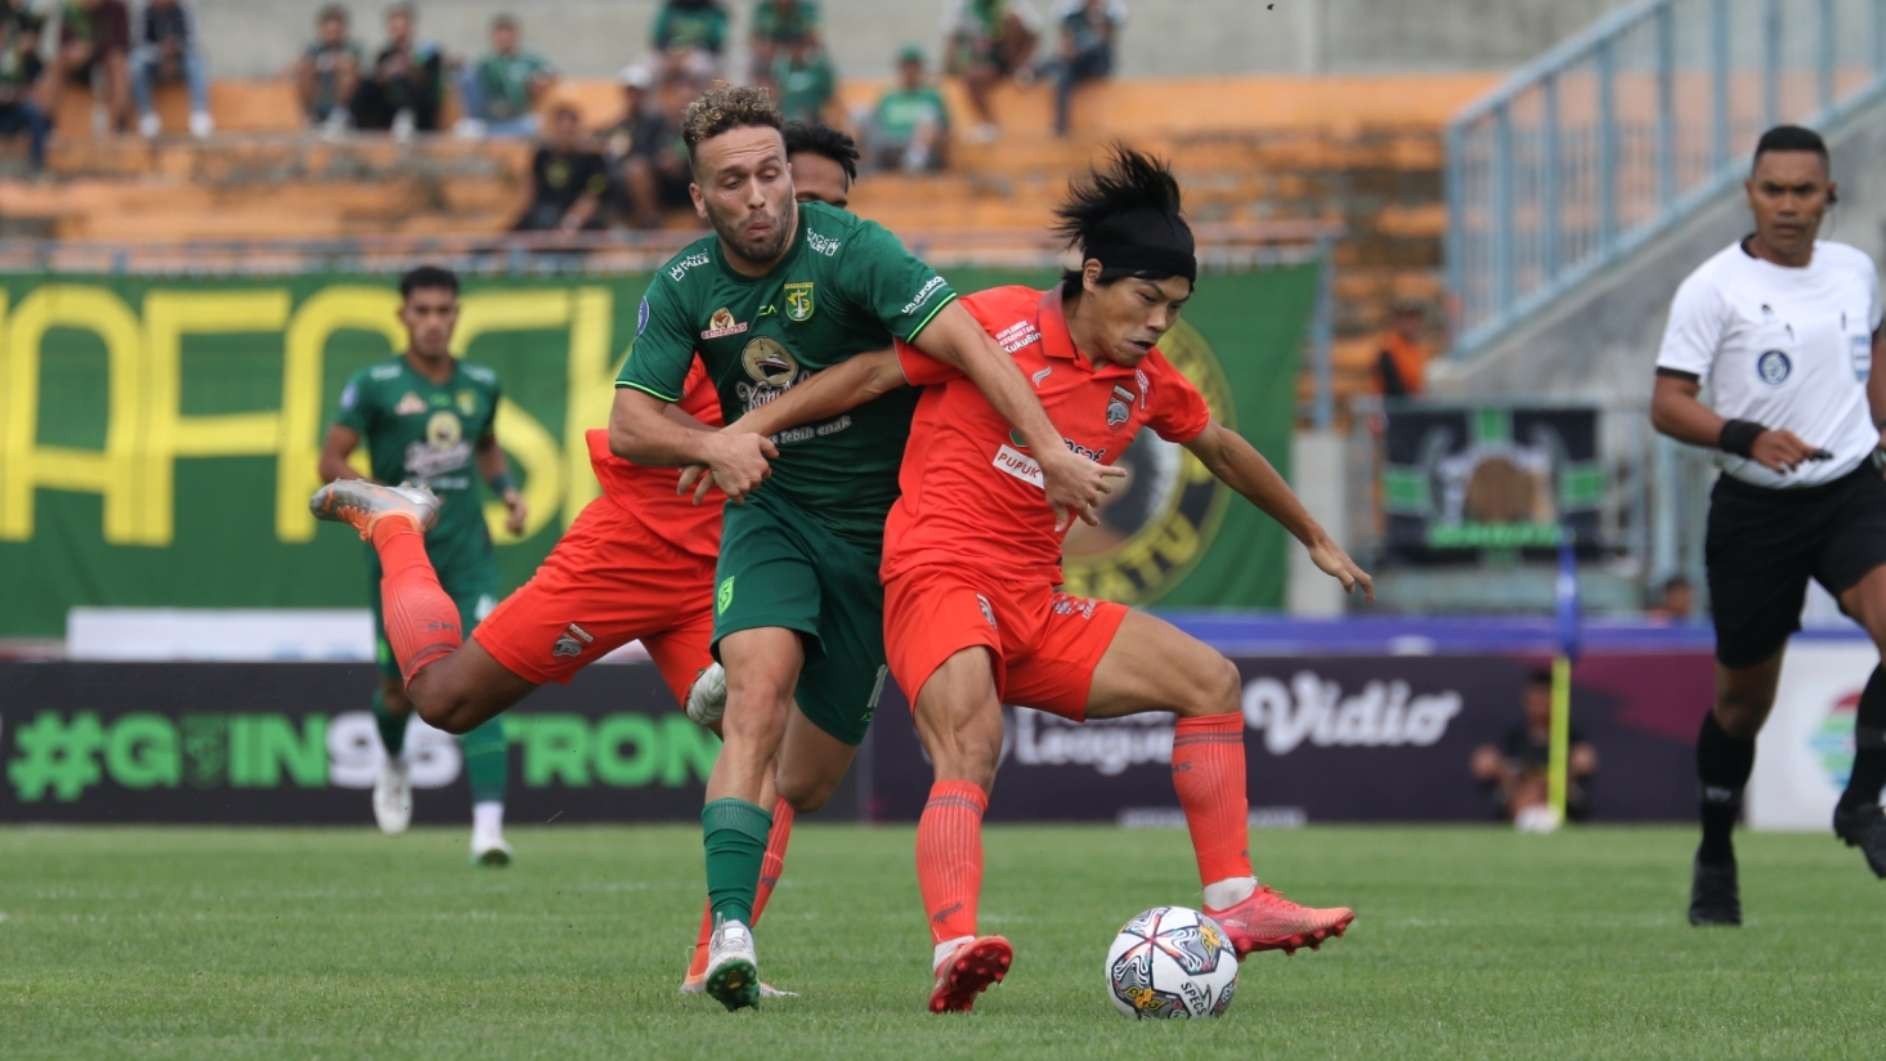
425, 432
845, 287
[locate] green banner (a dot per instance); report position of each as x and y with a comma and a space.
158, 436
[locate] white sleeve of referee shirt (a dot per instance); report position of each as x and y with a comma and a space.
1694, 330
1872, 305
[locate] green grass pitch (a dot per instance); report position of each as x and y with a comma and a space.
195, 943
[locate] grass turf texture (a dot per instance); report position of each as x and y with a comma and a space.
1479, 942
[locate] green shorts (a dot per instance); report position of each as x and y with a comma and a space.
474, 589
781, 568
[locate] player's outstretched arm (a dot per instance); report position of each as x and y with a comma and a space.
340, 444
841, 388
640, 430
1231, 457
1073, 483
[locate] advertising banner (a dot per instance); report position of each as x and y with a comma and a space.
1805, 753
158, 436
1456, 481
295, 743
1344, 738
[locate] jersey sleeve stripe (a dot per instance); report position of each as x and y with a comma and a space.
650, 391
925, 322
1677, 373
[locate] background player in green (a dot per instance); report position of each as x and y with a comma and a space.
427, 419
779, 292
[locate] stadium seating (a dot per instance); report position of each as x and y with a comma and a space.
1362, 152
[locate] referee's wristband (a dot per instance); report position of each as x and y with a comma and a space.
501, 484
1738, 437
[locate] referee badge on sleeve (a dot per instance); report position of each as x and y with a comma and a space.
1862, 356
1774, 367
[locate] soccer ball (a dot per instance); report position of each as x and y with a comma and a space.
1172, 962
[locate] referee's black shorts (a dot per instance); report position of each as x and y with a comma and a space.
1763, 544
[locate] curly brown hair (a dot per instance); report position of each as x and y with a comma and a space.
725, 107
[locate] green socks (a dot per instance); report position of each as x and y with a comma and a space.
734, 833
392, 727
486, 760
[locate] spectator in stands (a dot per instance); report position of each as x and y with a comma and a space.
95, 53
403, 89
329, 71
1676, 601
777, 26
1401, 366
20, 74
501, 93
691, 28
909, 128
620, 138
1088, 29
989, 40
804, 81
167, 53
655, 174
568, 179
1513, 771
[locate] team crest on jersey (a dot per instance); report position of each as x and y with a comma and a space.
799, 302
1119, 406
769, 363
1774, 367
574, 640
468, 402
722, 324
410, 404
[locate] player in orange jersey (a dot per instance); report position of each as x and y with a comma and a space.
971, 566
637, 564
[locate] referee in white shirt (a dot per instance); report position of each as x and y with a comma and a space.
1785, 330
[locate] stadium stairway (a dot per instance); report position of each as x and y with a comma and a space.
1362, 152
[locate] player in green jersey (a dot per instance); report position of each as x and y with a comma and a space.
779, 292
427, 419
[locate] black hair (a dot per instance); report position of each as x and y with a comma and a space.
826, 142
331, 12
1132, 182
1538, 676
504, 20
1675, 582
427, 277
1789, 138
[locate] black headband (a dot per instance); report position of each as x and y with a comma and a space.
1144, 241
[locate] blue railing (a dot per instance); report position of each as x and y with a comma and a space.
1619, 132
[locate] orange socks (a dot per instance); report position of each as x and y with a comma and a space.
949, 858
1208, 773
771, 867
421, 620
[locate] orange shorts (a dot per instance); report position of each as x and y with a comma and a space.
1046, 644
610, 580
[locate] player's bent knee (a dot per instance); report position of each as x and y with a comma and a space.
1217, 691
807, 794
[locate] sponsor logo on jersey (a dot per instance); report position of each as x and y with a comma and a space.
1041, 374
799, 304
641, 317
722, 324
917, 301
1119, 406
1011, 461
724, 596
825, 245
988, 612
349, 395
410, 404
468, 402
1145, 385
444, 450
1066, 605
1018, 335
1774, 367
384, 371
769, 363
574, 640
686, 265
768, 310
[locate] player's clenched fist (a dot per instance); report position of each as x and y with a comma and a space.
1076, 485
738, 462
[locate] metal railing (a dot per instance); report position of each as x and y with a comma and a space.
1624, 129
